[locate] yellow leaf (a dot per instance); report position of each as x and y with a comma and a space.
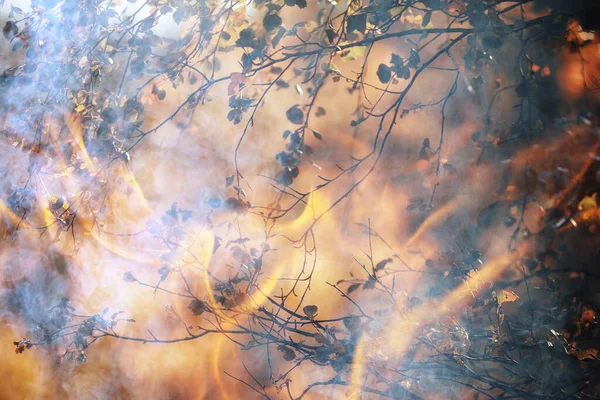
354, 53
310, 26
238, 16
591, 354
354, 6
506, 296
588, 203
329, 67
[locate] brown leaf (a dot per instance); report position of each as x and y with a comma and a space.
311, 311
381, 264
353, 287
319, 338
587, 354
288, 354
197, 307
295, 115
352, 323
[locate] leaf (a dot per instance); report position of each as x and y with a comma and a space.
370, 284
317, 134
587, 354
128, 277
330, 33
384, 73
147, 23
478, 19
238, 16
330, 67
506, 296
287, 175
237, 205
319, 338
14, 9
352, 323
352, 288
275, 40
311, 311
185, 215
414, 59
354, 53
164, 272
397, 61
10, 30
381, 264
215, 202
271, 21
197, 307
587, 203
357, 22
295, 115
398, 67
178, 15
246, 38
288, 354
240, 191
299, 3
229, 181
426, 18
240, 255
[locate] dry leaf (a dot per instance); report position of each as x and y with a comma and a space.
311, 311
506, 296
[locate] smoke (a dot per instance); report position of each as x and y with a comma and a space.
52, 156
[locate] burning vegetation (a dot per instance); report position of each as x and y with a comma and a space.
292, 199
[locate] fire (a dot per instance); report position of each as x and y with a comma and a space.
159, 233
182, 364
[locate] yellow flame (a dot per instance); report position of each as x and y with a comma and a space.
438, 216
75, 127
358, 366
430, 311
14, 218
315, 202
